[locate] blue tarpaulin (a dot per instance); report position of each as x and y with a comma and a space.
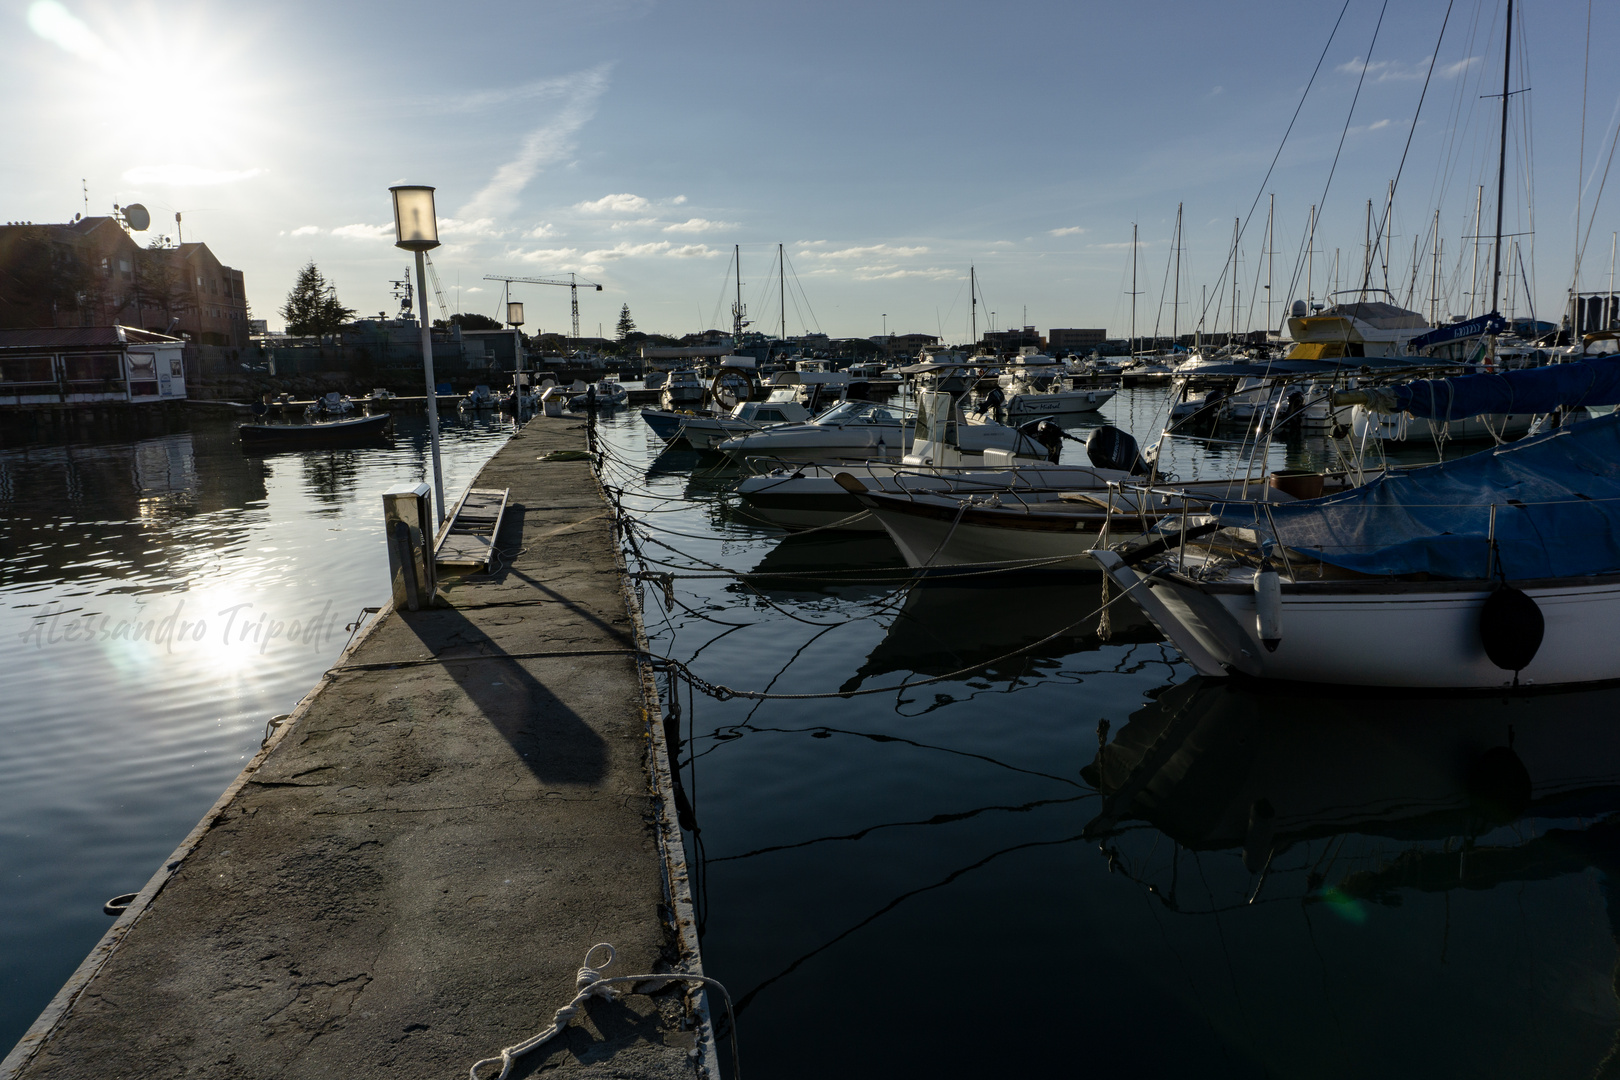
1595, 381
1557, 499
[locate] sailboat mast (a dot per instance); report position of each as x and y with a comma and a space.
1501, 157
1473, 279
1271, 258
1231, 327
1133, 288
1366, 245
1310, 261
1175, 307
1434, 275
781, 289
973, 293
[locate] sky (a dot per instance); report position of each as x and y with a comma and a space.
887, 146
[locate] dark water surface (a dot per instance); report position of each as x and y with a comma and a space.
975, 875
162, 595
962, 878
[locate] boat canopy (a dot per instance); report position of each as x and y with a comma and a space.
1556, 499
1594, 381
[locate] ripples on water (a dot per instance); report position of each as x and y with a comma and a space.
951, 879
113, 745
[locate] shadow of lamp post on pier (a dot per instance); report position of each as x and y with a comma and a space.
416, 228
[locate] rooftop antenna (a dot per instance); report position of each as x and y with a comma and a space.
179, 229
84, 183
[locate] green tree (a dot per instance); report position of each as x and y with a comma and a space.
627, 325
312, 307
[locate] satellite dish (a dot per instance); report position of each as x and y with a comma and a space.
139, 220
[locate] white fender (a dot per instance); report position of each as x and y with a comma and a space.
1268, 608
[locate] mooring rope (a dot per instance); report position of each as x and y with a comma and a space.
589, 983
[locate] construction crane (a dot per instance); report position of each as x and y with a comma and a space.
438, 290
572, 284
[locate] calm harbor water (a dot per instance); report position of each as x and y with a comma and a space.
143, 579
1057, 861
1061, 861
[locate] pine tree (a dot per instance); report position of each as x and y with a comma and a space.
312, 307
627, 325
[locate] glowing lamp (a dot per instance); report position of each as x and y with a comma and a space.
514, 313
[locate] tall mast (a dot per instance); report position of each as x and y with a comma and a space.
781, 289
1501, 158
1133, 288
1473, 281
1366, 261
1175, 307
1270, 259
1310, 262
1231, 327
1434, 275
1389, 234
973, 294
737, 305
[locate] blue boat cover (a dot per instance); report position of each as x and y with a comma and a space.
1557, 499
1595, 381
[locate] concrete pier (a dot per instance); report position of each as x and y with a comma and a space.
408, 875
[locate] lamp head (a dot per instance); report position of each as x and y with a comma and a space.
416, 228
514, 313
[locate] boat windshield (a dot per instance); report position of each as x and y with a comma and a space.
866, 412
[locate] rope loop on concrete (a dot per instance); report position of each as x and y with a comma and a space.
588, 983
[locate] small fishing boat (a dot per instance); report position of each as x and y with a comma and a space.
357, 427
480, 399
333, 404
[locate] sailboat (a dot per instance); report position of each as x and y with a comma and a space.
1498, 569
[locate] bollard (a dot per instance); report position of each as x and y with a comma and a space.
408, 526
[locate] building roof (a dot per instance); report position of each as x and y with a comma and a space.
80, 337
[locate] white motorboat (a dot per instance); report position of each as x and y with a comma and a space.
332, 404
849, 431
813, 496
479, 399
684, 389
1501, 568
707, 432
1034, 387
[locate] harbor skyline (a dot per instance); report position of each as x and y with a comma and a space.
634, 144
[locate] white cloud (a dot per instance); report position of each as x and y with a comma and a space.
306, 230
473, 289
546, 255
59, 26
886, 273
1071, 230
544, 145
879, 251
364, 232
656, 247
1451, 71
692, 251
623, 203
456, 227
699, 225
634, 223
542, 231
175, 175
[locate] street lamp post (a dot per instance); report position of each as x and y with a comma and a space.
417, 229
514, 319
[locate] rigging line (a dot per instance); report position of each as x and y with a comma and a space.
1389, 207
714, 319
1292, 120
1580, 171
1599, 197
937, 819
800, 286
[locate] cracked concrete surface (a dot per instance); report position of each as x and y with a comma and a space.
411, 877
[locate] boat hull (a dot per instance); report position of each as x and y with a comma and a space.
304, 434
1061, 402
1411, 635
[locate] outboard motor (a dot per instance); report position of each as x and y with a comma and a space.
1050, 436
992, 401
1110, 448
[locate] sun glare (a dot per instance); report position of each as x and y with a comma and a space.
174, 97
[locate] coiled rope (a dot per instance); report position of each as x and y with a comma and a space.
588, 983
